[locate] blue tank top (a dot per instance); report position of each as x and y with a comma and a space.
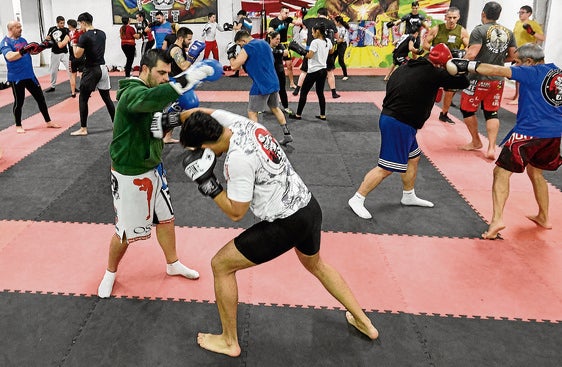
260, 68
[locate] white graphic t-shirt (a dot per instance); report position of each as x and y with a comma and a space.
258, 171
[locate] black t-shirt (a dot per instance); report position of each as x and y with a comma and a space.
330, 28
411, 91
58, 34
175, 67
281, 26
278, 57
413, 22
93, 43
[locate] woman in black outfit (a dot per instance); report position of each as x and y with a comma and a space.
279, 51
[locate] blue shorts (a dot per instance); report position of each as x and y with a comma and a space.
398, 144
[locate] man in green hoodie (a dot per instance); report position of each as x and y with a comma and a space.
138, 180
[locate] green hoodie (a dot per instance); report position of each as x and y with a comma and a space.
133, 149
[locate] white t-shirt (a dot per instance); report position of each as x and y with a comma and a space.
321, 49
258, 171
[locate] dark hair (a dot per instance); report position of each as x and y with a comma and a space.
60, 18
492, 10
242, 12
527, 8
271, 35
72, 23
86, 17
183, 32
198, 129
159, 12
241, 34
151, 57
141, 14
125, 20
321, 27
211, 14
323, 11
415, 3
340, 20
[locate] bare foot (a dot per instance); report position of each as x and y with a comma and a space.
367, 329
80, 132
540, 221
493, 232
216, 343
490, 154
53, 125
20, 130
470, 146
514, 102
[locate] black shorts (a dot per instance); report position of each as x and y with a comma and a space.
521, 150
77, 65
265, 241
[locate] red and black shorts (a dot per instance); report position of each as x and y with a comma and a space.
521, 150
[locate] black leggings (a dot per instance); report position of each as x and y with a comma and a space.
340, 50
318, 78
33, 86
129, 51
282, 91
90, 78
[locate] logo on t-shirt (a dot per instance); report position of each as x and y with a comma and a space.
497, 38
552, 87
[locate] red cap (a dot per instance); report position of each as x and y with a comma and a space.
440, 54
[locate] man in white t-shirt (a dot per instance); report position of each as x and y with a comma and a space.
259, 177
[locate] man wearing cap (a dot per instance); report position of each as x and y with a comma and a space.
410, 95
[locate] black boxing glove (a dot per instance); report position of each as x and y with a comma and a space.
198, 165
461, 66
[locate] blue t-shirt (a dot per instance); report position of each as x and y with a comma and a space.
160, 32
540, 100
260, 67
22, 68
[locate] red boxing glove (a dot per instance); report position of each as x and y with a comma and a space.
529, 29
76, 36
32, 48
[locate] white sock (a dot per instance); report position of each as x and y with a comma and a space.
410, 198
177, 268
356, 203
106, 285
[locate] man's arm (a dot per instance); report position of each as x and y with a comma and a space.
235, 210
177, 55
465, 36
237, 63
494, 70
428, 41
78, 51
473, 51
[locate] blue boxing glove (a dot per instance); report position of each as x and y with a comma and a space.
198, 165
195, 50
188, 100
206, 70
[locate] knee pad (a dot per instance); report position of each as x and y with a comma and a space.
466, 114
490, 115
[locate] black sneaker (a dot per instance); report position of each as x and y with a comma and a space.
445, 118
296, 91
50, 90
287, 138
335, 95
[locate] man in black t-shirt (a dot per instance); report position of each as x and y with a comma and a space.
281, 24
59, 34
332, 32
92, 44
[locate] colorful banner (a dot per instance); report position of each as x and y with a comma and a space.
176, 11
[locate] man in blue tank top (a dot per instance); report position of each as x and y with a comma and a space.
257, 60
